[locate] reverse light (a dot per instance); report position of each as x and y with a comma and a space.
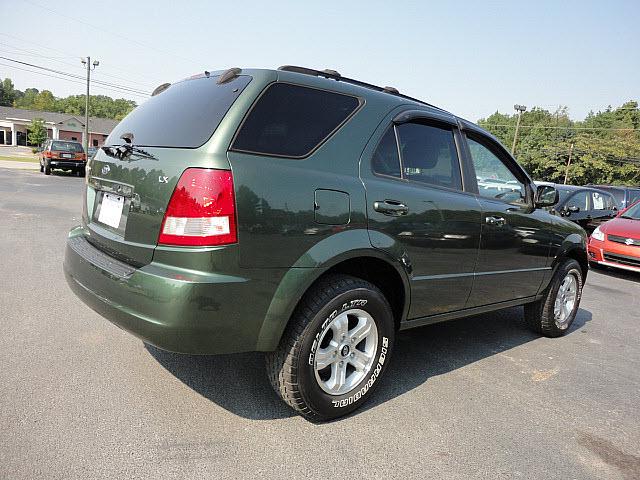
201, 211
598, 234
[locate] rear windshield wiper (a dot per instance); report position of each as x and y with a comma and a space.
125, 150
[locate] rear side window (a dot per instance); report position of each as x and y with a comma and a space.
66, 147
429, 155
185, 115
292, 121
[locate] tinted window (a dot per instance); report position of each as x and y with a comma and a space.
185, 115
385, 159
291, 121
429, 155
495, 180
579, 199
66, 147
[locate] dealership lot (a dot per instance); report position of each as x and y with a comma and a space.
474, 398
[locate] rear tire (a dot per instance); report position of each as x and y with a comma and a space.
41, 168
335, 348
82, 172
553, 314
47, 168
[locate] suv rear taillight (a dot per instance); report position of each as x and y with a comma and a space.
201, 211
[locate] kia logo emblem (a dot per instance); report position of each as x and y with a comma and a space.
106, 169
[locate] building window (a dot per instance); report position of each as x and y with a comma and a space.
75, 139
95, 142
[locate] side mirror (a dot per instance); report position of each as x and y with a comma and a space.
546, 196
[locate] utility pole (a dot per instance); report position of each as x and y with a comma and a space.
87, 62
519, 109
566, 172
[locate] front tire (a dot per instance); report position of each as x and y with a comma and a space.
335, 348
553, 314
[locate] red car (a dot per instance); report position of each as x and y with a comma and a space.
616, 243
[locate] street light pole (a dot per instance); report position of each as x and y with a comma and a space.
519, 109
87, 61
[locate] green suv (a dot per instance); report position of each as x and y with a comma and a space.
311, 216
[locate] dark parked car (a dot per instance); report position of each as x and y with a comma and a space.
586, 206
62, 155
311, 216
625, 196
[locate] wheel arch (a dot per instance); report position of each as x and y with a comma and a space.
363, 261
574, 246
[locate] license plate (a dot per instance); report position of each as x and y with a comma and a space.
111, 209
66, 155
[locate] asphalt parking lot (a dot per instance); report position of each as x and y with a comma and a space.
474, 398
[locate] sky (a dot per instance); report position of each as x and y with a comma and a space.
471, 58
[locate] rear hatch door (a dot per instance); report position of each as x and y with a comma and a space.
128, 192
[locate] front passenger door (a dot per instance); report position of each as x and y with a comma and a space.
514, 244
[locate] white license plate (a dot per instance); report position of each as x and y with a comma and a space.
111, 209
66, 155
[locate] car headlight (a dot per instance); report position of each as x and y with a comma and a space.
598, 234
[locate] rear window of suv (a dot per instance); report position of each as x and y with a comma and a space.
185, 115
66, 147
292, 120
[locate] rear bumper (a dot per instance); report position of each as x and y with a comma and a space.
67, 163
176, 310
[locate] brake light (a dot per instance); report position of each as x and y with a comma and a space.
47, 154
201, 211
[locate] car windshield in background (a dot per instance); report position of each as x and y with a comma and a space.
185, 115
66, 147
633, 212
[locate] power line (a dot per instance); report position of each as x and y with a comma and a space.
73, 75
162, 52
68, 79
67, 55
55, 59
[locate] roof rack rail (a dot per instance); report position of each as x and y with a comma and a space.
332, 74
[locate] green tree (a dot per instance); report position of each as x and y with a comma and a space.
7, 93
37, 132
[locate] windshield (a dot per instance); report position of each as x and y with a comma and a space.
66, 147
633, 212
185, 115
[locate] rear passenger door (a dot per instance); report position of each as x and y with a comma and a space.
418, 209
514, 247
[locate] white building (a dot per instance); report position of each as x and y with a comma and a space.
14, 123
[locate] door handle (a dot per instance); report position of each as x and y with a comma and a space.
391, 207
497, 221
